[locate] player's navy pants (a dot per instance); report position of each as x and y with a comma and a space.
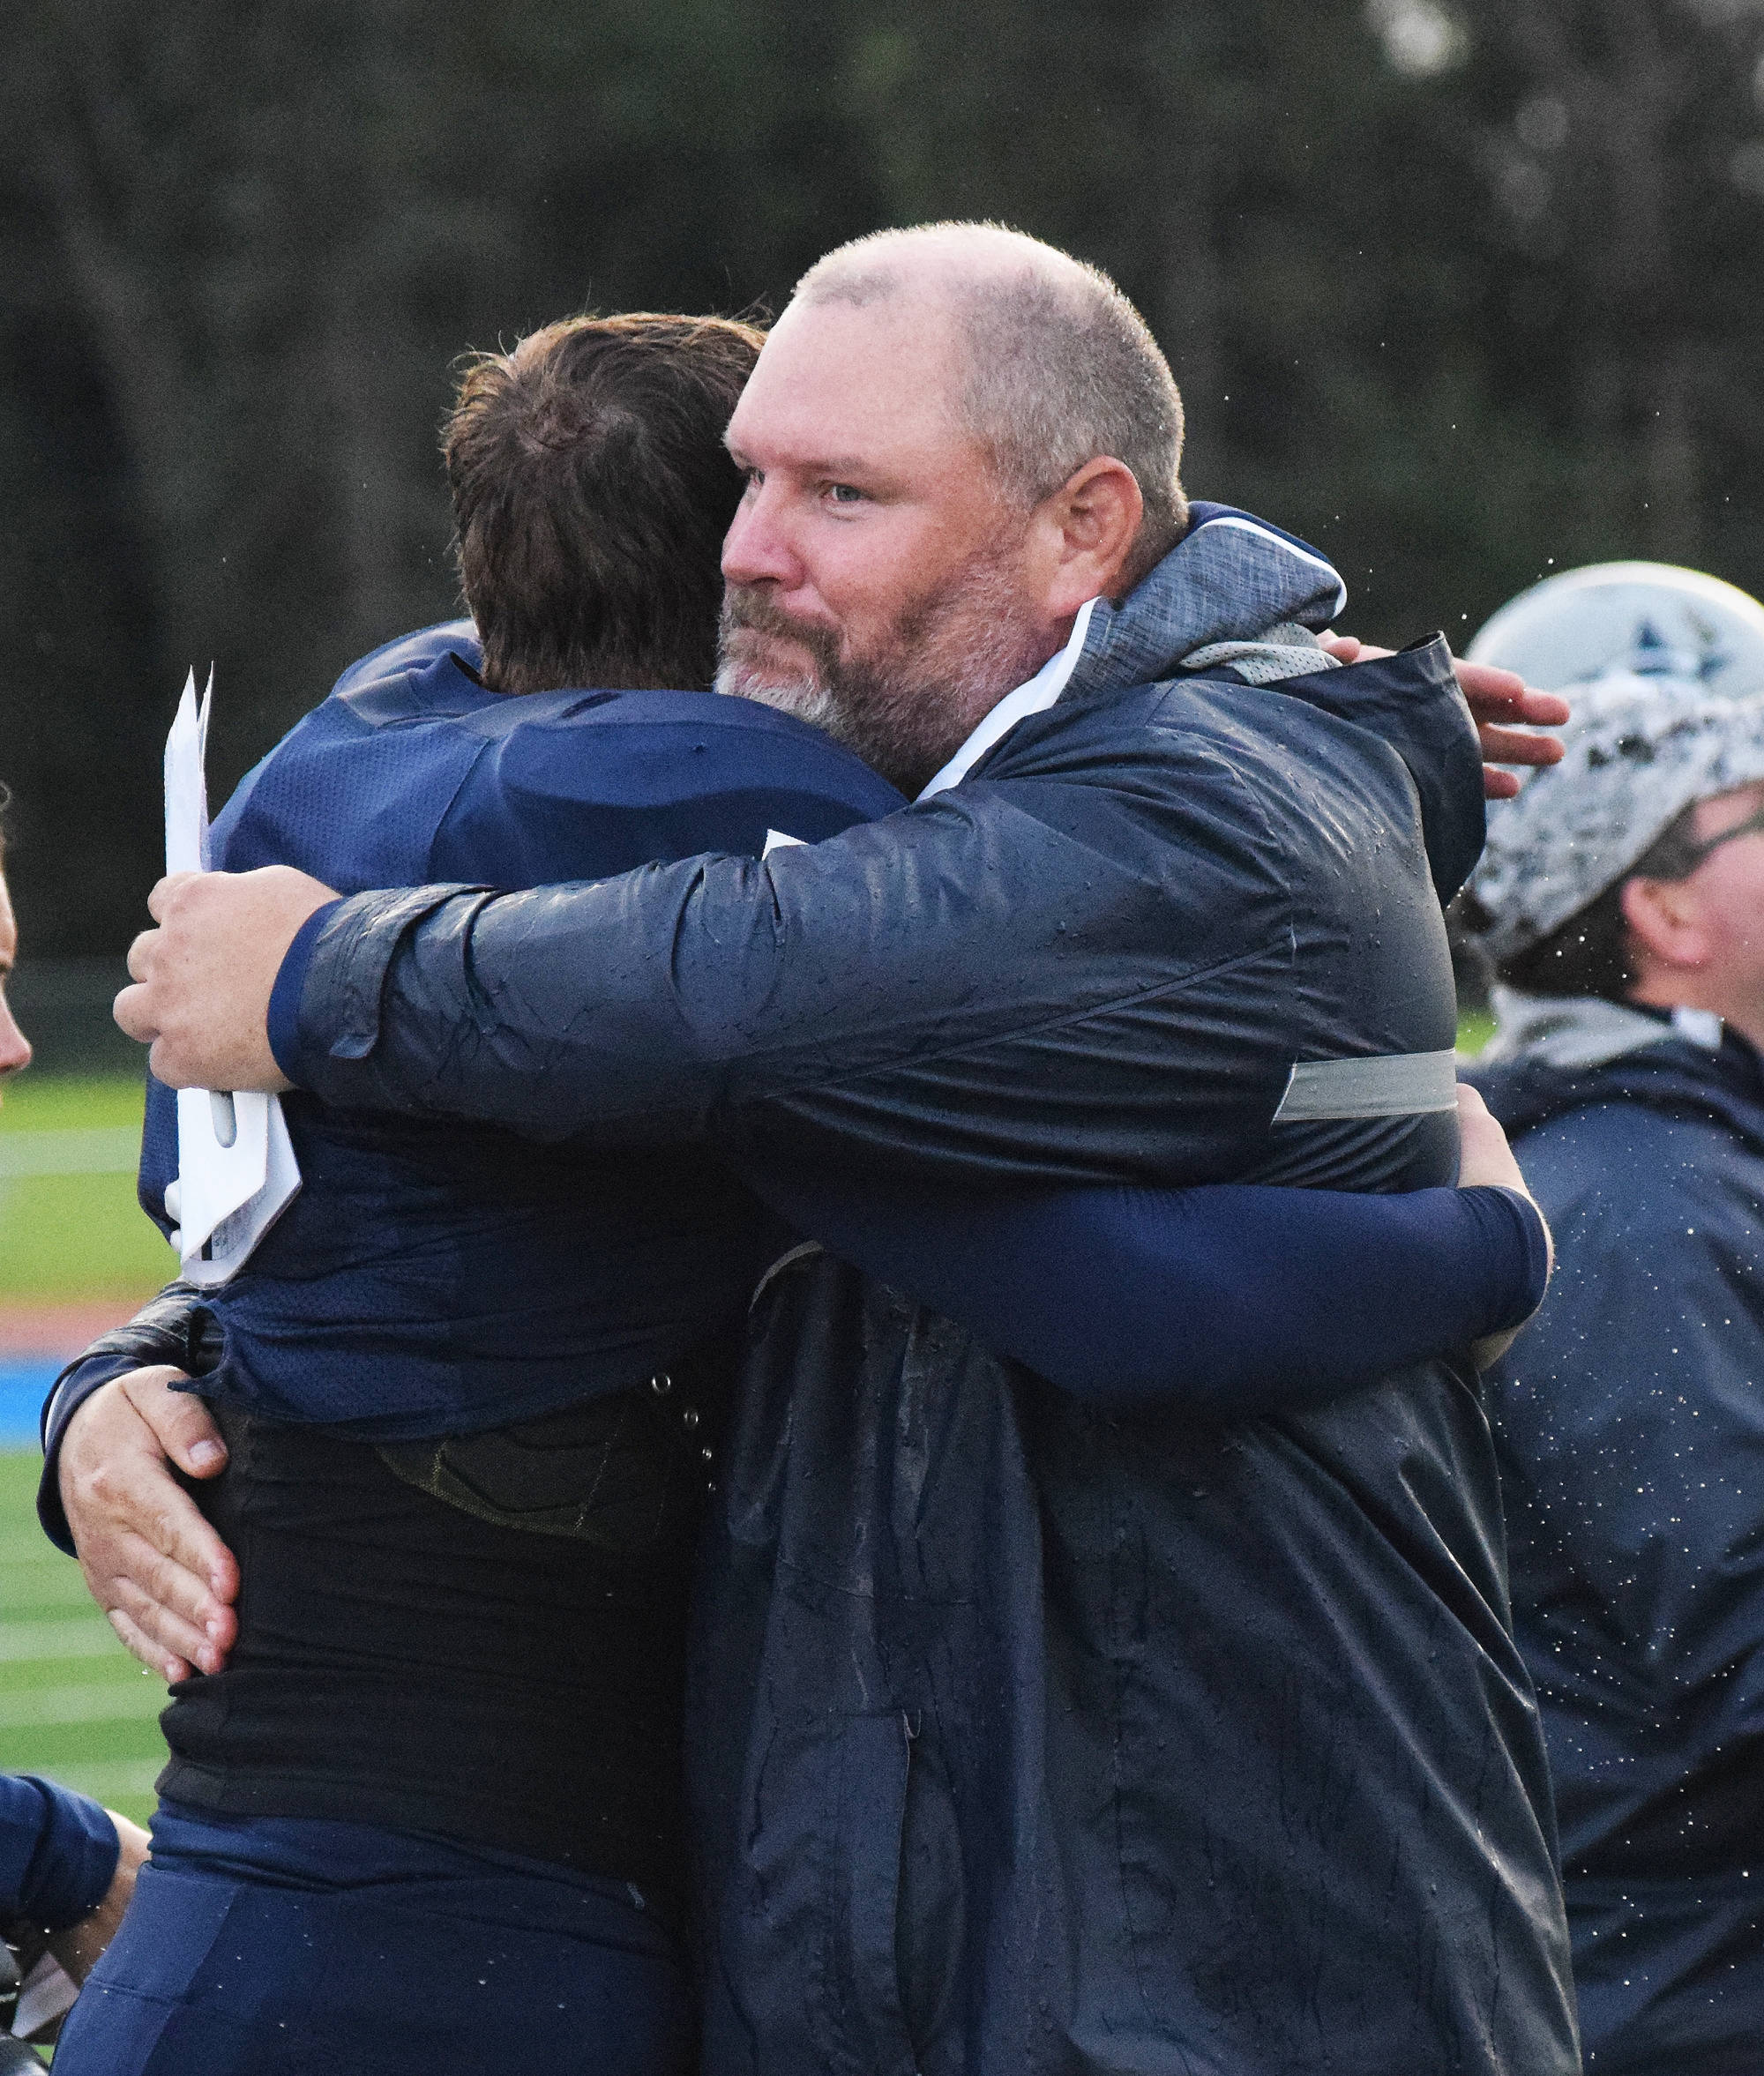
277, 1946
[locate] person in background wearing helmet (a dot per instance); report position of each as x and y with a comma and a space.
1622, 898
67, 1867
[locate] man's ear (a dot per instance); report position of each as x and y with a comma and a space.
1665, 918
1083, 535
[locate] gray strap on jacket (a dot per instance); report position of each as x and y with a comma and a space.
1394, 1084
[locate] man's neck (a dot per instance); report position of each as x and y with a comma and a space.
1658, 990
1034, 695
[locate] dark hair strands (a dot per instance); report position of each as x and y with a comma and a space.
590, 494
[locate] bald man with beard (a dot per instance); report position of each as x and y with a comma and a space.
1032, 1734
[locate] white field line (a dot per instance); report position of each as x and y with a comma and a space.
83, 1636
44, 1709
103, 1149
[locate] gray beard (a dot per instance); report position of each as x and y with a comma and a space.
809, 697
945, 664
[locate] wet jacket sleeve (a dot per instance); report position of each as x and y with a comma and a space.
176, 1327
967, 982
1228, 1301
58, 1852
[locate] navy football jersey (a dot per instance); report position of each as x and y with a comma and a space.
439, 1277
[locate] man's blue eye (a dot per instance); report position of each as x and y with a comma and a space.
846, 494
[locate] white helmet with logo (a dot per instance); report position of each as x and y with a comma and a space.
1664, 669
1645, 619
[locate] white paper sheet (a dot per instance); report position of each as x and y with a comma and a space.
236, 1173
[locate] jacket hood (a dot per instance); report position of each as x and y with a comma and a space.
1234, 591
1553, 1054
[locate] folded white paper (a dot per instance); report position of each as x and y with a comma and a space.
236, 1173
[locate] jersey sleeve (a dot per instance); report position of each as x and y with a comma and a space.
1227, 1301
58, 1852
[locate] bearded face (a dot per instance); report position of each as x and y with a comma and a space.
908, 700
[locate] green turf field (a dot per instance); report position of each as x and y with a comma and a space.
70, 1226
73, 1703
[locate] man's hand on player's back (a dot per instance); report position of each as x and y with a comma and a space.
151, 1562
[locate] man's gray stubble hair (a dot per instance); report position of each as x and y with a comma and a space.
1061, 368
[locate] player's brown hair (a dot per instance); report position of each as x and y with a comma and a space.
591, 495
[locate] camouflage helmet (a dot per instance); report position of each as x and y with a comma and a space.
1664, 668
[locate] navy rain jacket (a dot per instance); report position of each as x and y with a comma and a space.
1032, 1738
1630, 1421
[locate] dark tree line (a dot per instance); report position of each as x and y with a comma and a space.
1457, 287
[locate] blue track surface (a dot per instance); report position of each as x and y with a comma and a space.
23, 1386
